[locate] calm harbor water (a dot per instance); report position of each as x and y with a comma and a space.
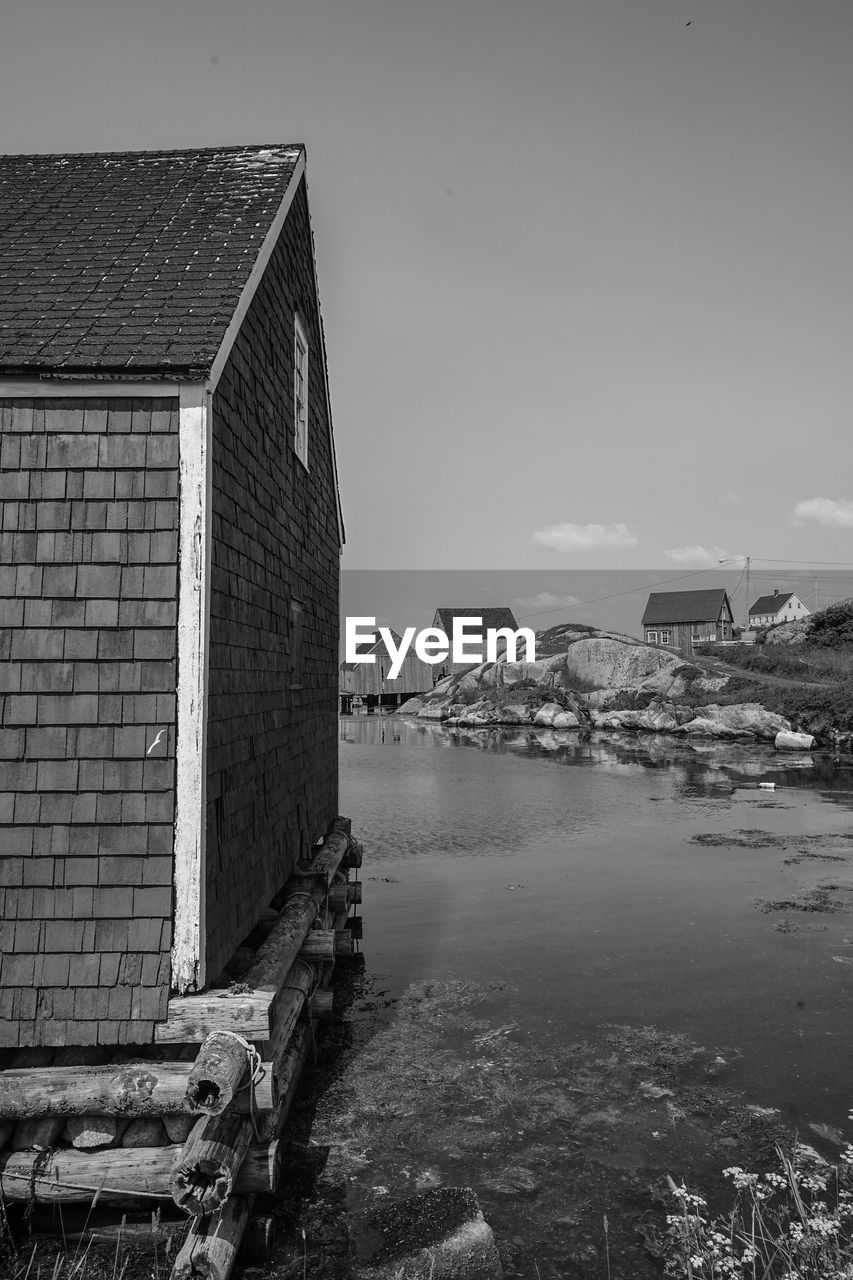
588, 965
570, 871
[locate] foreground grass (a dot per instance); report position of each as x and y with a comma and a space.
794, 1222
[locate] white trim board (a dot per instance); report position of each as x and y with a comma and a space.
91, 388
250, 288
189, 870
338, 507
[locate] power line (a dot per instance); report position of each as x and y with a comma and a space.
767, 560
618, 595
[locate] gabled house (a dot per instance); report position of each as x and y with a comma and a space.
683, 619
169, 567
498, 617
778, 607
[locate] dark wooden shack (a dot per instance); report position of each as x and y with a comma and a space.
169, 564
370, 684
682, 619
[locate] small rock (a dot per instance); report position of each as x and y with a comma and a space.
790, 741
438, 1235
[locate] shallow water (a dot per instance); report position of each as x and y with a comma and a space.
568, 994
567, 869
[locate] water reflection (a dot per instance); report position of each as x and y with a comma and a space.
493, 838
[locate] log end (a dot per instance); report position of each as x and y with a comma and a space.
201, 1187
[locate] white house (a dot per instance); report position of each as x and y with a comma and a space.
780, 607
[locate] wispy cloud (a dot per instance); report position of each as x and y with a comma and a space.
701, 557
834, 513
585, 537
543, 603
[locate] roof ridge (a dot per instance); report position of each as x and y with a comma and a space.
154, 151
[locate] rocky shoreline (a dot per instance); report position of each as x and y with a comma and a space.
609, 683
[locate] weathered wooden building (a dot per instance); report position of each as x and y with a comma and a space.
683, 619
169, 563
371, 682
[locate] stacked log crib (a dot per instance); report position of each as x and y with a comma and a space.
194, 1121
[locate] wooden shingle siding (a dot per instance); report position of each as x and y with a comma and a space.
88, 556
272, 701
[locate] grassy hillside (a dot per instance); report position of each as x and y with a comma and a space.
811, 682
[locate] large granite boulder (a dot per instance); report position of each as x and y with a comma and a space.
788, 632
747, 718
659, 717
553, 715
602, 663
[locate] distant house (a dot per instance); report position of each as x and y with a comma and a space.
682, 619
370, 680
493, 619
169, 575
780, 607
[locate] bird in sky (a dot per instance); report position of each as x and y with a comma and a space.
689, 24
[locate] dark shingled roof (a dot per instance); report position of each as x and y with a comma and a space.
771, 604
130, 261
684, 606
501, 616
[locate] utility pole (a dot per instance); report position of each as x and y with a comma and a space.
746, 606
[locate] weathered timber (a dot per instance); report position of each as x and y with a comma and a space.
211, 1247
342, 896
319, 945
136, 1234
285, 1011
323, 1004
118, 1173
354, 855
355, 926
178, 1128
283, 944
192, 1018
259, 934
290, 1068
331, 855
217, 1073
204, 1173
137, 1089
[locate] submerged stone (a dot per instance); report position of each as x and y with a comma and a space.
438, 1235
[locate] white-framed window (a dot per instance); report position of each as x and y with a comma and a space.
665, 636
300, 392
651, 637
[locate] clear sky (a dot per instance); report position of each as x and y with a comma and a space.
585, 270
